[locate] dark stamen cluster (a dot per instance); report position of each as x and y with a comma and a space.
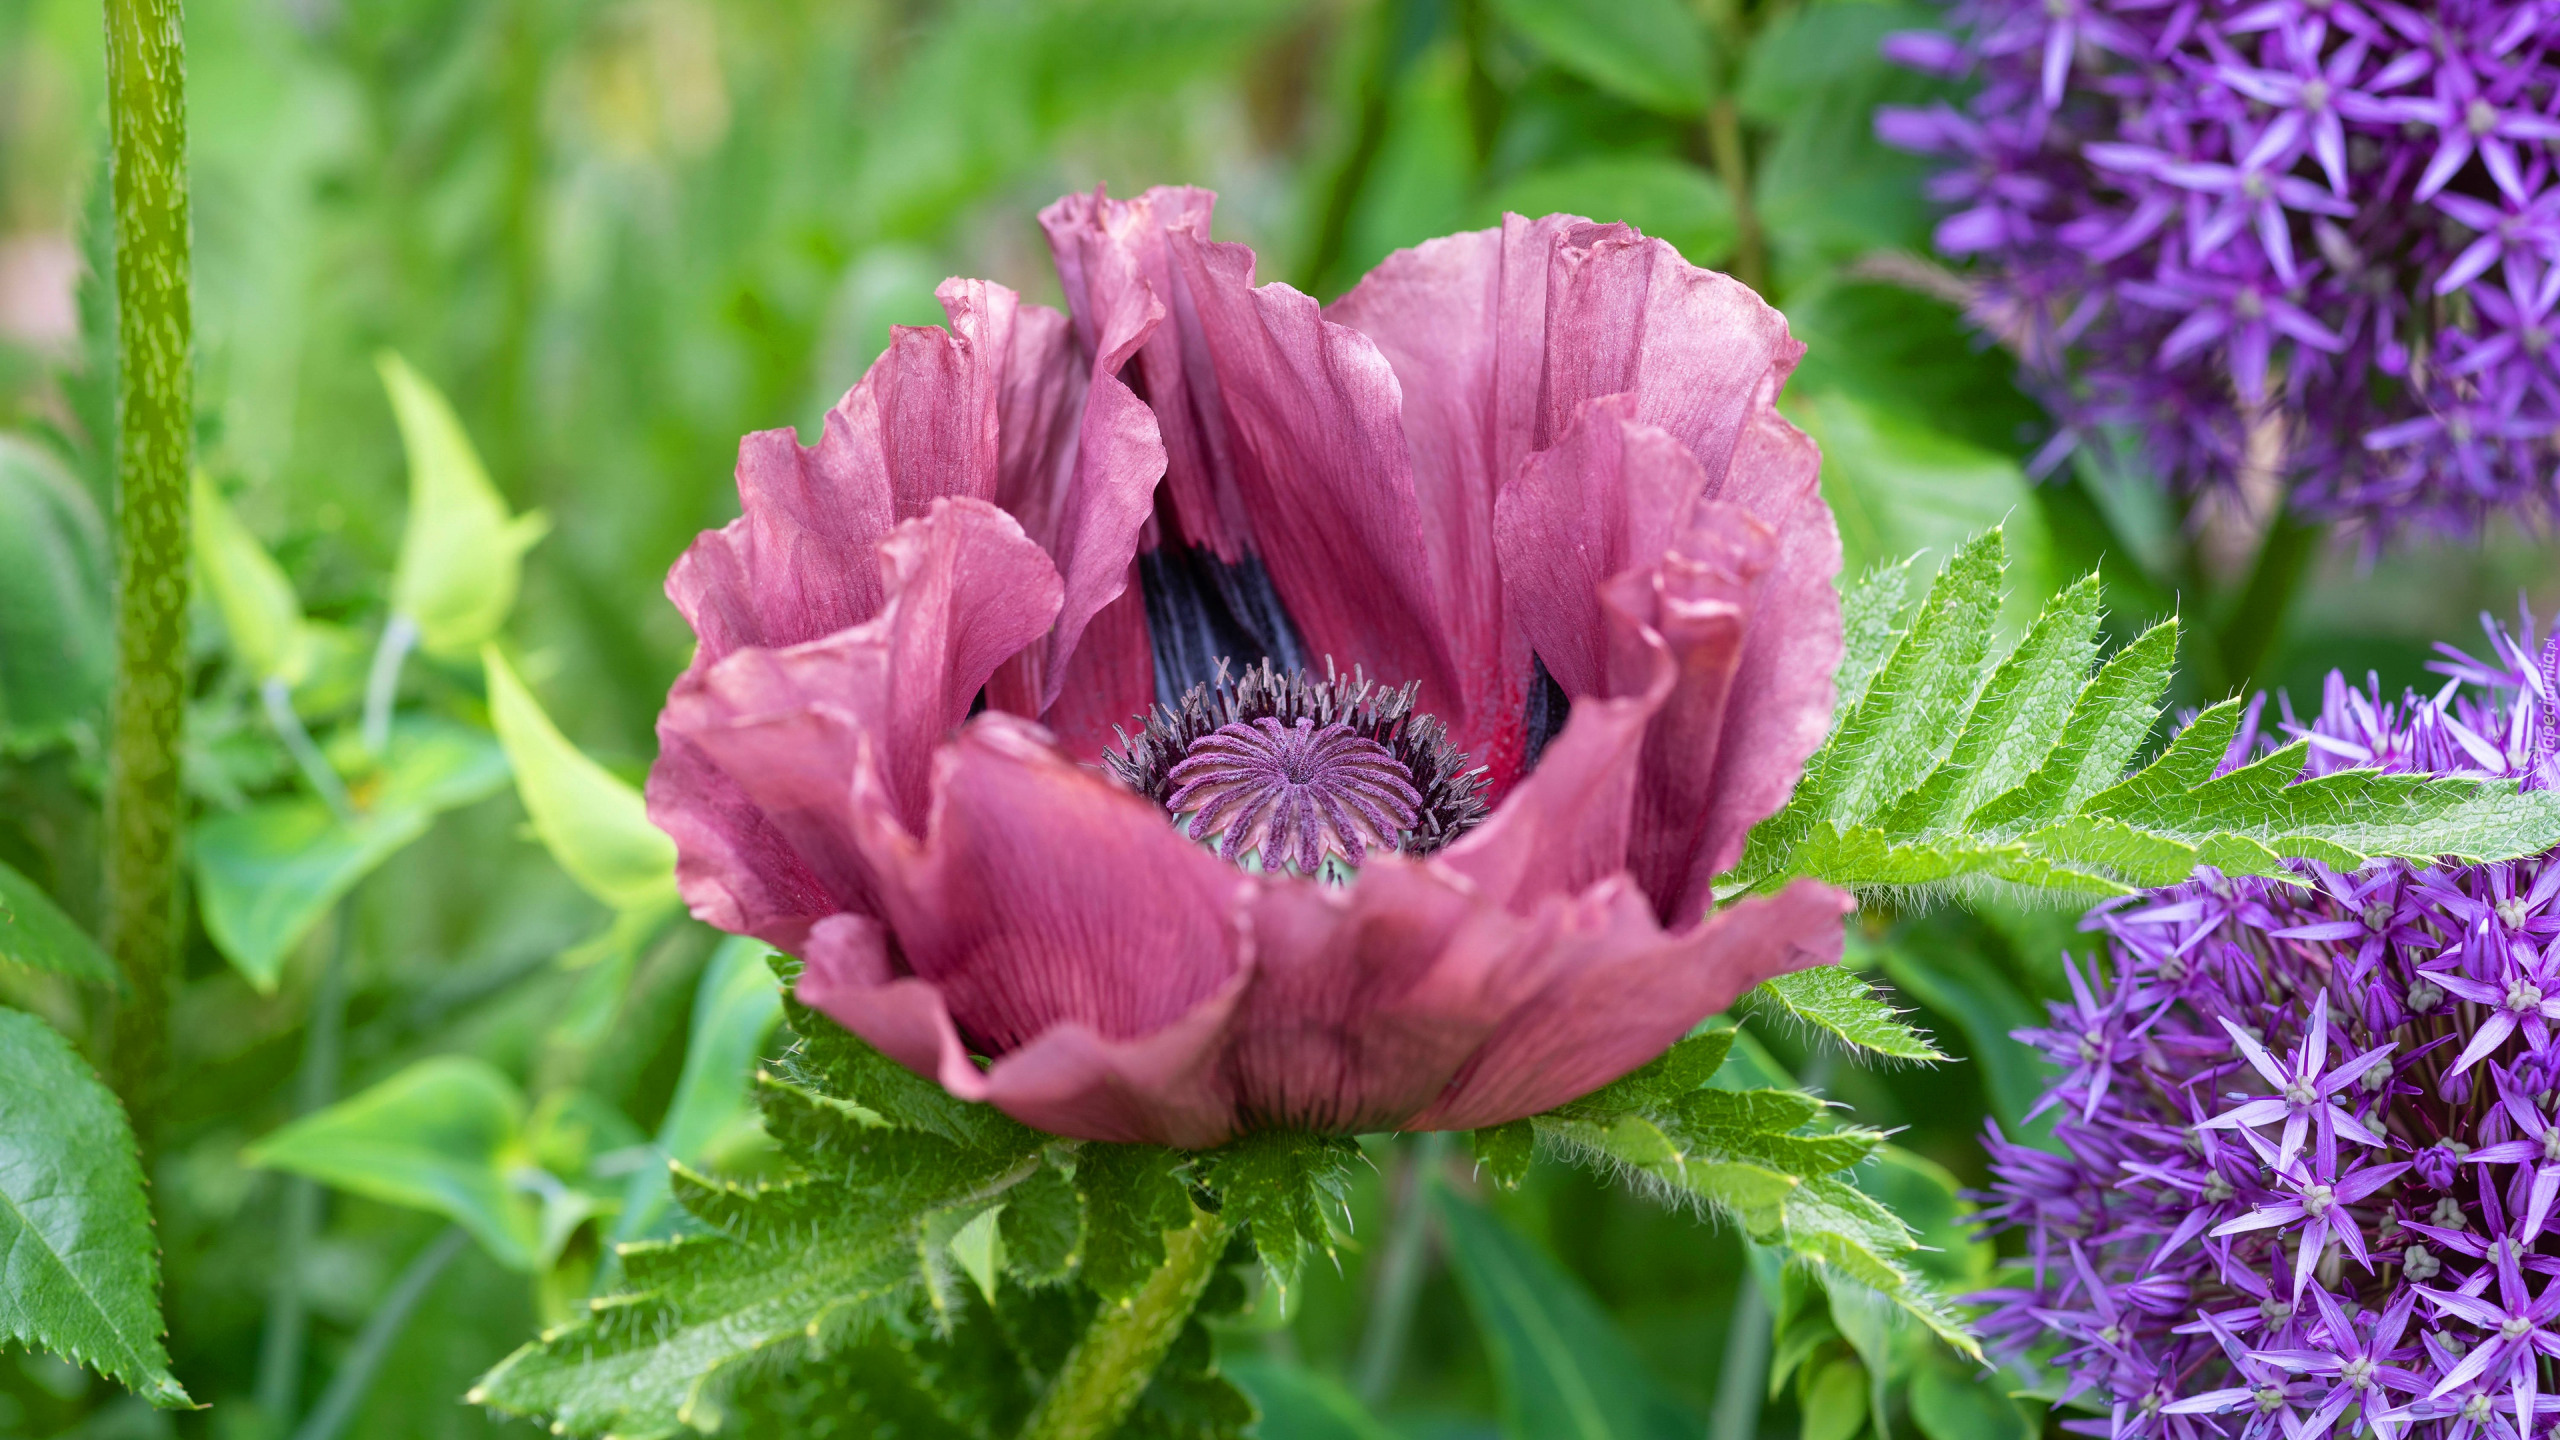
1339, 714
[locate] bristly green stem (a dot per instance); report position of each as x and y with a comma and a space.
146, 81
1126, 1341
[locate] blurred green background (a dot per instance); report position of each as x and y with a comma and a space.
620, 233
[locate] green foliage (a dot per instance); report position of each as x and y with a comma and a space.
1560, 1364
1301, 1404
735, 1009
1661, 196
593, 821
1947, 1405
1768, 1159
1947, 767
1132, 1194
57, 643
461, 555
265, 875
81, 1268
1288, 1191
1652, 52
445, 1135
920, 1257
35, 934
1833, 999
1898, 487
260, 611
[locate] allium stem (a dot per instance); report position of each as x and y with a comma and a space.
2256, 615
1120, 1349
1733, 167
1401, 1268
146, 76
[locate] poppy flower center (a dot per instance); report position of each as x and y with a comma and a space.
1278, 771
1292, 794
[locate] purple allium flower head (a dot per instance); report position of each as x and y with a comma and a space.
2305, 1156
2319, 238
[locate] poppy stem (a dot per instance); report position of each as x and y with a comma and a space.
147, 111
1126, 1340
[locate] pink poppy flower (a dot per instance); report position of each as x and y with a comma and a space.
1464, 629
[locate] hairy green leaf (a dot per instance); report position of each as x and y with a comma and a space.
1132, 1194
704, 1312
81, 1271
1833, 998
1868, 628
1503, 1152
1289, 1191
1940, 773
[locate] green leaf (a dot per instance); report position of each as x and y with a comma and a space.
461, 555
593, 822
1043, 1223
1652, 52
1289, 1191
36, 934
1949, 1404
1868, 612
1503, 1152
703, 1313
827, 1058
265, 875
260, 612
444, 1135
1299, 1404
1966, 986
1762, 1157
1802, 52
1835, 1402
57, 638
2012, 724
1132, 1194
82, 1277
1560, 1365
1666, 198
1912, 710
1866, 1320
1899, 487
978, 1247
2108, 721
1942, 773
1688, 1064
864, 1242
1833, 998
1919, 357
1924, 1196
735, 1009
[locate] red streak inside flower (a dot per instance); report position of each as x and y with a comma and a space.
1296, 793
